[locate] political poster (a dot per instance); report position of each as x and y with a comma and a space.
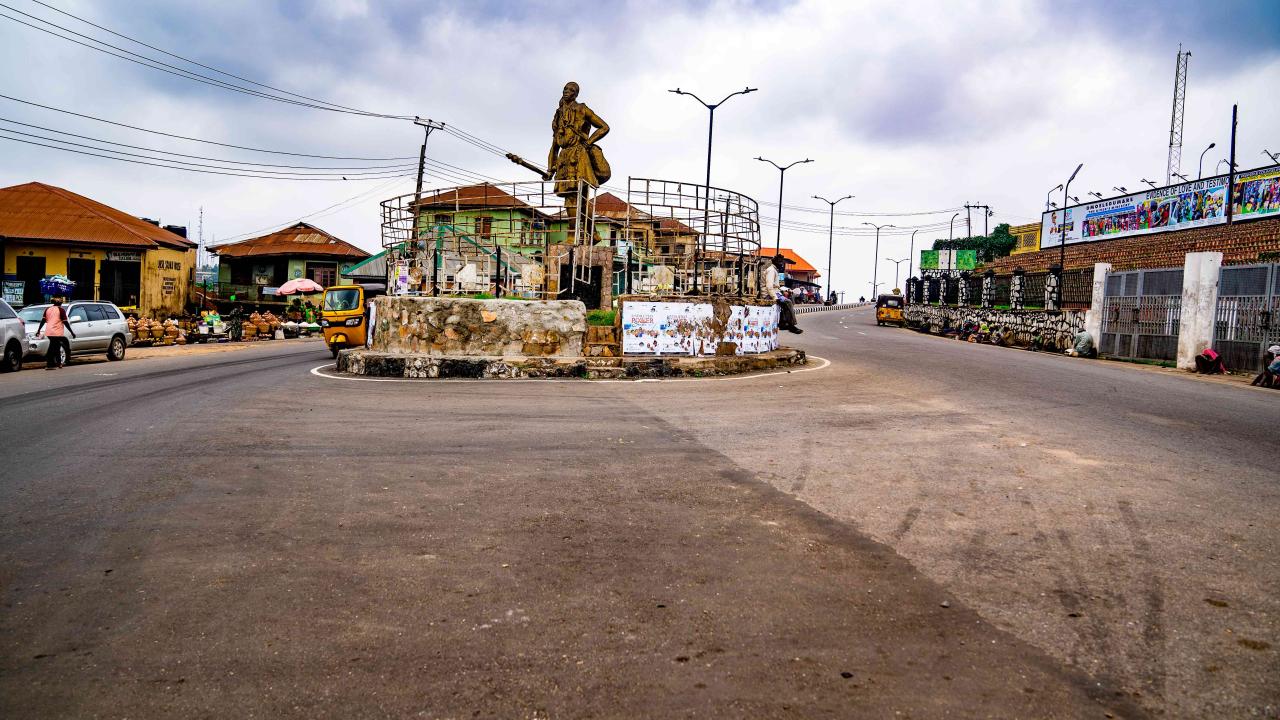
1257, 194
1177, 207
948, 260
657, 328
14, 291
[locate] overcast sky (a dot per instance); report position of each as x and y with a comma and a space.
910, 106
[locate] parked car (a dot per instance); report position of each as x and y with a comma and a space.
100, 327
13, 339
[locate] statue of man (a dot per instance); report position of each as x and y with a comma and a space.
574, 155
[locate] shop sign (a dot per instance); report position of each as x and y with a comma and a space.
169, 265
168, 285
13, 291
124, 256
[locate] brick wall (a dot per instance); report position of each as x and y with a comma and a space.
1240, 243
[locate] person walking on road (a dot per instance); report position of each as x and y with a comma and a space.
55, 319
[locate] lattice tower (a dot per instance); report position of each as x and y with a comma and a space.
1179, 113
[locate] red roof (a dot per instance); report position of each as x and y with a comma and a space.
38, 211
478, 196
297, 239
610, 203
795, 263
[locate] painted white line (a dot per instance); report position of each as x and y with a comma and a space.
825, 363
861, 333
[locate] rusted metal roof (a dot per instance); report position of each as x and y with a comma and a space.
298, 239
795, 263
483, 195
37, 211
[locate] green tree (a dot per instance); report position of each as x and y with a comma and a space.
998, 244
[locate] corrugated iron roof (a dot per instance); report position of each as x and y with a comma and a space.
38, 211
473, 196
795, 262
298, 239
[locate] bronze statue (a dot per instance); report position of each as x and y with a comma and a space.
574, 154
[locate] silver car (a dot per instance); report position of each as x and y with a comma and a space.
13, 339
100, 327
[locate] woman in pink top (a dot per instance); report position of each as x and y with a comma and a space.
55, 319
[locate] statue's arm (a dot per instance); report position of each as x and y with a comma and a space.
602, 127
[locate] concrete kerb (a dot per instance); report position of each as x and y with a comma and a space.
329, 372
493, 367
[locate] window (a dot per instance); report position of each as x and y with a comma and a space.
6, 312
76, 313
322, 273
95, 312
111, 312
484, 227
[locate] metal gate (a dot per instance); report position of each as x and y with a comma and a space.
1245, 323
1141, 313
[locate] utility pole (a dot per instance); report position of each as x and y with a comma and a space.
1231, 168
831, 232
985, 224
427, 126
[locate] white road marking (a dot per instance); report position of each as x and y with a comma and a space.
825, 363
861, 333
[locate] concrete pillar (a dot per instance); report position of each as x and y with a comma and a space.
943, 282
962, 297
1093, 316
1199, 306
1053, 289
988, 288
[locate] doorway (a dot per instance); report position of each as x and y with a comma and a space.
121, 282
81, 271
30, 270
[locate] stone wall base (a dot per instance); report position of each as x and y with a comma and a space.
380, 364
1056, 330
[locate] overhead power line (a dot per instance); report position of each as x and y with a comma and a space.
155, 64
335, 178
199, 140
850, 213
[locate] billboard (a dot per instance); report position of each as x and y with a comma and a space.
948, 259
1177, 207
1257, 194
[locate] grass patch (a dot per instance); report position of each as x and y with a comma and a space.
601, 317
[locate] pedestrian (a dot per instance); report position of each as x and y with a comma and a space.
1082, 345
1209, 362
786, 312
55, 319
1270, 368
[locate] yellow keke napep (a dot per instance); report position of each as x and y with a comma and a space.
344, 316
889, 310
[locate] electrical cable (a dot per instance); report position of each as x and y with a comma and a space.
199, 140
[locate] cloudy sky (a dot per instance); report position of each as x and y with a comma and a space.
914, 107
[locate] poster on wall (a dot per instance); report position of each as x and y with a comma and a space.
656, 328
13, 291
1178, 207
402, 277
1257, 194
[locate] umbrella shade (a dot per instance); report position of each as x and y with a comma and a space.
300, 285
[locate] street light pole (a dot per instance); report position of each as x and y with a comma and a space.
782, 176
831, 230
896, 264
1200, 171
1047, 195
875, 266
911, 252
1062, 251
711, 128
951, 236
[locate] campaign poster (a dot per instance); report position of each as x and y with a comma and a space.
1178, 207
928, 259
1257, 194
657, 328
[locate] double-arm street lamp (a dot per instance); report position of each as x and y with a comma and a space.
1047, 195
1062, 251
831, 230
896, 264
711, 128
1275, 157
875, 265
782, 176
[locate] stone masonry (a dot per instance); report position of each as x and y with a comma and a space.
464, 327
1056, 329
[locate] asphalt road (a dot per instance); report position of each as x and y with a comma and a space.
922, 529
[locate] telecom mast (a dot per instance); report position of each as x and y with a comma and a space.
1179, 112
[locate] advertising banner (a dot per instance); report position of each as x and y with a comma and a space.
954, 260
1178, 207
686, 328
1257, 194
13, 291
